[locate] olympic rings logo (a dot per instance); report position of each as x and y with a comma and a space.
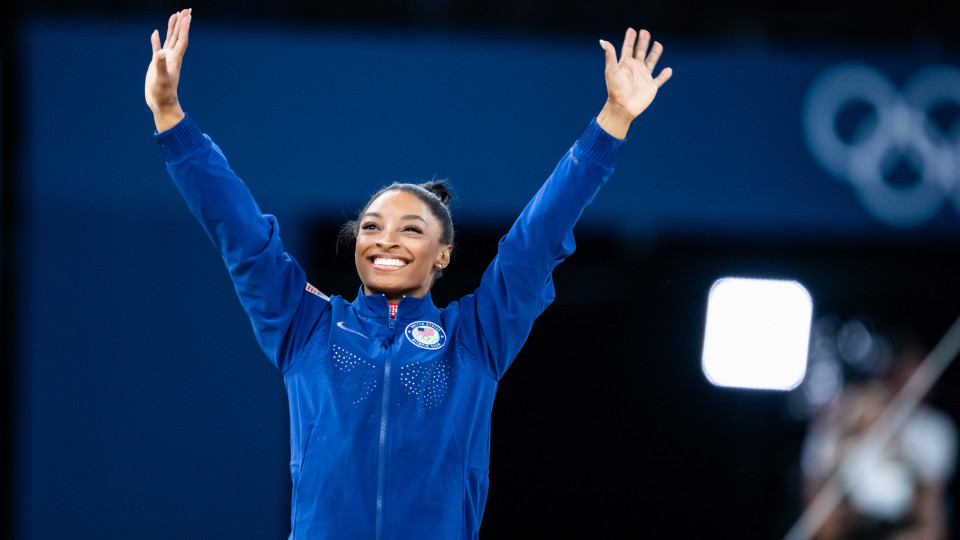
916, 129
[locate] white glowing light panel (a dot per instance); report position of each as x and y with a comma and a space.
757, 333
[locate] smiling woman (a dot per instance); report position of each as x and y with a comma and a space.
399, 246
403, 227
390, 396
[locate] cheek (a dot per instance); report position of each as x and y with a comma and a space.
360, 244
427, 252
358, 254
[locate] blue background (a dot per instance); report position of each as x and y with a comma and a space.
144, 408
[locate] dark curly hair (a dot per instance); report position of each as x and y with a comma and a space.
434, 193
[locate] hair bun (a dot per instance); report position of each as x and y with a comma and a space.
440, 189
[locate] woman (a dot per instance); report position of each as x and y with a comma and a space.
390, 397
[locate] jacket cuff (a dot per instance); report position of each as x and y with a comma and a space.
599, 146
180, 140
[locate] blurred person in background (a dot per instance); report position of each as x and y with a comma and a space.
899, 491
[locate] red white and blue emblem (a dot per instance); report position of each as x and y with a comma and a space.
426, 335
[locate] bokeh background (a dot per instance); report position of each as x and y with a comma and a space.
136, 403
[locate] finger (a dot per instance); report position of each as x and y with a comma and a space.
610, 54
628, 41
655, 51
155, 41
175, 35
642, 44
663, 77
171, 22
184, 33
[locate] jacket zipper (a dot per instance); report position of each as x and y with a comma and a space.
384, 412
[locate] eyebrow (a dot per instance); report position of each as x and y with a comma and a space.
408, 216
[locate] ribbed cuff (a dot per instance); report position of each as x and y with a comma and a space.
600, 146
180, 140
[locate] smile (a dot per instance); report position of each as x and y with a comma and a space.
384, 262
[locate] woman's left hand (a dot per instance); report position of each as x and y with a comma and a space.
631, 85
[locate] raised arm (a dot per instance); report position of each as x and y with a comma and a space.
163, 75
517, 286
269, 283
631, 85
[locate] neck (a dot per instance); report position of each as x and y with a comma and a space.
391, 298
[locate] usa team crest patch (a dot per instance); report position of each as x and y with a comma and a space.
426, 335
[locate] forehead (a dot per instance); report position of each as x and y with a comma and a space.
399, 203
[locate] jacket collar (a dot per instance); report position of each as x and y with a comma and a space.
375, 305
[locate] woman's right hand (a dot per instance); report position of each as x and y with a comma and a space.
163, 75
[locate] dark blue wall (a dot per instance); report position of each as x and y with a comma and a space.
145, 409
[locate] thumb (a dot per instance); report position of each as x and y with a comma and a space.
663, 77
155, 41
610, 54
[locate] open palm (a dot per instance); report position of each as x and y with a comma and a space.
630, 81
163, 74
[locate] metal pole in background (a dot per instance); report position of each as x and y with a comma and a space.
888, 424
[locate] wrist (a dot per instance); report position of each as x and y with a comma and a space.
614, 119
167, 117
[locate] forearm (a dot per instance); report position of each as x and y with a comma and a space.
551, 215
517, 285
268, 282
215, 195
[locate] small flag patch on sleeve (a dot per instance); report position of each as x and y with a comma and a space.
313, 290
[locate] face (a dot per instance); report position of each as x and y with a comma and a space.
398, 246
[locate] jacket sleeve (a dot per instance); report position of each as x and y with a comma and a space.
517, 286
268, 281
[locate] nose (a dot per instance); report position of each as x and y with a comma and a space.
387, 238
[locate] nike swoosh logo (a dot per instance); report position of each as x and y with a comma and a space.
342, 327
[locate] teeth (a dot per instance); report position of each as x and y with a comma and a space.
380, 261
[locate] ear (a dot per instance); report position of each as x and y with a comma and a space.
443, 258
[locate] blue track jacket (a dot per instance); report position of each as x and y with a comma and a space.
389, 418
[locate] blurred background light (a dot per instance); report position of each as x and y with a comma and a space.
757, 333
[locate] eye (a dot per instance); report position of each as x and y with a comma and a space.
369, 226
413, 228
